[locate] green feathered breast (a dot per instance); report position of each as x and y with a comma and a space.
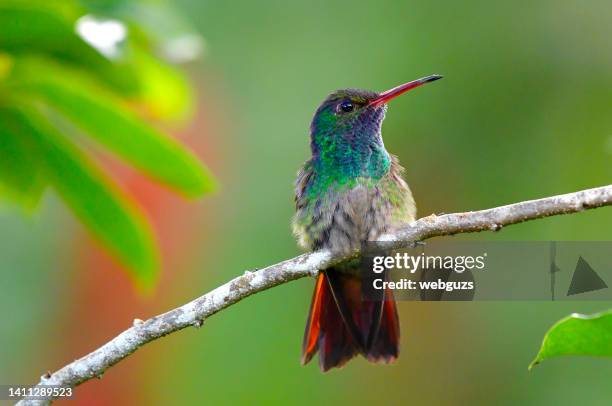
339, 214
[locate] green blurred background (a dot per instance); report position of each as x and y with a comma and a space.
524, 111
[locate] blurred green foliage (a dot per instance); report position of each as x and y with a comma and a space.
523, 112
71, 71
578, 334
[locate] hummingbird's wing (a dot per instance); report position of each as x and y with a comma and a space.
304, 178
303, 202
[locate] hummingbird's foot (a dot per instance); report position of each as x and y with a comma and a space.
415, 244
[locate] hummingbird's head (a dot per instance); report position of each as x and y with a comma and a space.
346, 128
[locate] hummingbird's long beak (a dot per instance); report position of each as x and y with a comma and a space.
384, 97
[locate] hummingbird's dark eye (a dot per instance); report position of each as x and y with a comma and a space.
346, 106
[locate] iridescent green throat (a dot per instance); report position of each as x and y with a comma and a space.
340, 163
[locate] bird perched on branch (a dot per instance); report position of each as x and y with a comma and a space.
349, 192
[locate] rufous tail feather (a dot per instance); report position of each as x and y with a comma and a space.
341, 324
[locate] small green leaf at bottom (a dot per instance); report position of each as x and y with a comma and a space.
578, 334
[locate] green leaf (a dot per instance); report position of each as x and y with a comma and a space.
45, 28
164, 90
104, 118
578, 334
21, 175
37, 28
106, 211
103, 6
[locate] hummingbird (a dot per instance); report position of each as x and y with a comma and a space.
349, 192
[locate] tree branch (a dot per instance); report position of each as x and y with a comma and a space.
195, 312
